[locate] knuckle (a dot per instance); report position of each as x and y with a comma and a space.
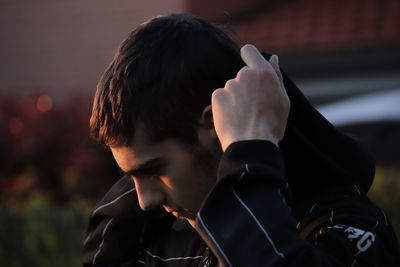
265, 73
217, 94
246, 73
230, 83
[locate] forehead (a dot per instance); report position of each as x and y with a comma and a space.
141, 151
138, 152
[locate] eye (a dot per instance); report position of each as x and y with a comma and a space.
147, 176
149, 170
150, 173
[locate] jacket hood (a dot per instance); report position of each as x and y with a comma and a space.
319, 158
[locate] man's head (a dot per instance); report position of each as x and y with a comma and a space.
152, 108
162, 78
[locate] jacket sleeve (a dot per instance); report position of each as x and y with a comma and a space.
246, 221
118, 228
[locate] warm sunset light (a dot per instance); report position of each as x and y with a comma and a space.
44, 103
199, 133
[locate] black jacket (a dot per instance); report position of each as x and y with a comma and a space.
303, 204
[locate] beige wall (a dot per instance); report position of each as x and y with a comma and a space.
60, 46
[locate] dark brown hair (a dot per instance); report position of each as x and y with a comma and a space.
162, 77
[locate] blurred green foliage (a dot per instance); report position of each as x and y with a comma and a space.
51, 175
41, 233
385, 192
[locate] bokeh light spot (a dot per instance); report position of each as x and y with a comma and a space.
44, 103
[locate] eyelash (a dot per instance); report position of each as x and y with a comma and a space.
143, 176
149, 174
146, 174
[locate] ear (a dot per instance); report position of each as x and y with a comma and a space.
205, 130
206, 119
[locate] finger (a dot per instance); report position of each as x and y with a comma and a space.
230, 84
219, 99
218, 96
246, 73
274, 61
253, 58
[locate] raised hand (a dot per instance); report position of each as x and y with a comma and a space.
253, 105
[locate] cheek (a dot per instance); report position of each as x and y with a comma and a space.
183, 180
190, 176
191, 183
178, 179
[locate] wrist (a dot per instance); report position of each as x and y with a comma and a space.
225, 143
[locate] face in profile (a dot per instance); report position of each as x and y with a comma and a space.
169, 173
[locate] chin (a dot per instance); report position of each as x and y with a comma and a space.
190, 219
186, 215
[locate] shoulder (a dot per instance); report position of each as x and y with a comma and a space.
353, 229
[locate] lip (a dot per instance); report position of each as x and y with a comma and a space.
176, 213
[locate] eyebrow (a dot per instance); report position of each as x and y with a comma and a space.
147, 167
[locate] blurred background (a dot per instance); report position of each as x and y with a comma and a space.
344, 55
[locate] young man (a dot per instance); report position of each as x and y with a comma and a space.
216, 136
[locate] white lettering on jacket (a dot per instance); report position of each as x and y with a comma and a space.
363, 238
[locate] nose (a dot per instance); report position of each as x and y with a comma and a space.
149, 193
